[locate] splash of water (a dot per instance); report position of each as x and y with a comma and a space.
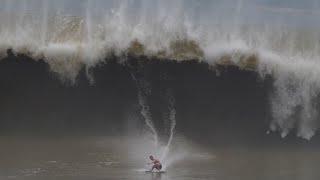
145, 109
145, 112
172, 117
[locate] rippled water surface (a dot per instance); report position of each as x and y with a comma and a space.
115, 158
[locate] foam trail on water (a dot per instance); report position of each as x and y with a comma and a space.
172, 117
145, 109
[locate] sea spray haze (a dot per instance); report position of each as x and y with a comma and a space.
280, 39
156, 77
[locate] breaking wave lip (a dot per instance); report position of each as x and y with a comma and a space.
69, 44
292, 89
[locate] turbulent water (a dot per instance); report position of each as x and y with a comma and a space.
214, 89
279, 41
74, 38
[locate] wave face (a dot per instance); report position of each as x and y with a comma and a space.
277, 40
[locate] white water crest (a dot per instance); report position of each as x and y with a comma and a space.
283, 37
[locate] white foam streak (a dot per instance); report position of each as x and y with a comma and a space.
172, 117
145, 109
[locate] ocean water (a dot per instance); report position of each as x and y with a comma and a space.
89, 89
118, 158
280, 40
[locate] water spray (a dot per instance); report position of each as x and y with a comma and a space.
145, 109
172, 118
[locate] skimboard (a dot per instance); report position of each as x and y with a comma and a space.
155, 172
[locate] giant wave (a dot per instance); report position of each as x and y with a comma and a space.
166, 31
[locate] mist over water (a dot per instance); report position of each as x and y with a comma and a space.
221, 89
172, 118
144, 90
278, 39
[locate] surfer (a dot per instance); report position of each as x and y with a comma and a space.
157, 165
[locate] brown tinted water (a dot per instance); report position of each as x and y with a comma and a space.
119, 158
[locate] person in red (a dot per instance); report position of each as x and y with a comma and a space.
156, 163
